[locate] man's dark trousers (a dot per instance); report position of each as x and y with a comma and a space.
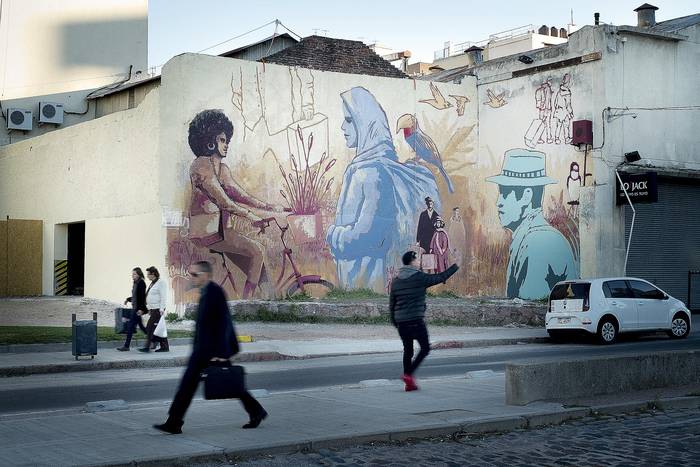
134, 320
410, 331
188, 386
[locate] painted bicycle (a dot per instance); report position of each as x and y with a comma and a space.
296, 282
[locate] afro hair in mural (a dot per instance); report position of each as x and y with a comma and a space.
205, 127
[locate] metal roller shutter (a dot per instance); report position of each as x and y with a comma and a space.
666, 239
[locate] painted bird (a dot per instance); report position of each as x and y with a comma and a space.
495, 101
438, 101
422, 145
461, 102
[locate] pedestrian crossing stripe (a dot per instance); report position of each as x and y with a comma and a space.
60, 274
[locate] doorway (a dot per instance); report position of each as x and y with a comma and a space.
76, 258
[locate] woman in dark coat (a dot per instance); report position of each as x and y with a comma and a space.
138, 307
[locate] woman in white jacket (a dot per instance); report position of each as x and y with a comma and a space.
156, 296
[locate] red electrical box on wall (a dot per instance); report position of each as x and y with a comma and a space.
582, 132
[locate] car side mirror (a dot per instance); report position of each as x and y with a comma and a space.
665, 297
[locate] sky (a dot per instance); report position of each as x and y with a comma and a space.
177, 26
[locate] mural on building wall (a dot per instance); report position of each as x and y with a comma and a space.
495, 101
457, 234
555, 114
461, 102
216, 196
539, 255
573, 184
438, 100
422, 145
378, 200
351, 190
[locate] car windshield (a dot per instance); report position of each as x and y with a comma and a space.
574, 291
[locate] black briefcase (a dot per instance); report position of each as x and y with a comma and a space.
223, 382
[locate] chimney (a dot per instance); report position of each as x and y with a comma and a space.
544, 30
646, 15
596, 18
475, 54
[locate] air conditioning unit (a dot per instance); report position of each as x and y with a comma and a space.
19, 119
50, 112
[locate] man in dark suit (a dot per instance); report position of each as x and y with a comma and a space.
426, 225
214, 341
138, 307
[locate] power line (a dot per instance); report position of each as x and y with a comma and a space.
285, 27
239, 36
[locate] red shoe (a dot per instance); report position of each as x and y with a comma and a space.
410, 383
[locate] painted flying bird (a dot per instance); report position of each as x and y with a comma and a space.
461, 102
438, 101
495, 101
422, 145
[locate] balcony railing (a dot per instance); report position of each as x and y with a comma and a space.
457, 49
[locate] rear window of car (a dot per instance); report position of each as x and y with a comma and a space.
573, 290
616, 289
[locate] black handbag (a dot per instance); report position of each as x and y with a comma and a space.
223, 381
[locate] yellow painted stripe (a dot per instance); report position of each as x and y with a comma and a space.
245, 338
61, 276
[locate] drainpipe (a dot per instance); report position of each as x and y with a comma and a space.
634, 214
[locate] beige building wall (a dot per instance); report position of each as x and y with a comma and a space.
103, 173
57, 51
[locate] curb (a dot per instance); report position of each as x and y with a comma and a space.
92, 365
477, 427
67, 346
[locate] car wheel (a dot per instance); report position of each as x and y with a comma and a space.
680, 326
607, 331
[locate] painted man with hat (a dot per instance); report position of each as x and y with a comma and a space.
539, 255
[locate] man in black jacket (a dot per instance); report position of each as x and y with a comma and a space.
407, 308
138, 307
214, 341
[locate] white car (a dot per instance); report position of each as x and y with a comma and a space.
609, 306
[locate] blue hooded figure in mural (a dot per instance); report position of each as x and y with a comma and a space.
380, 199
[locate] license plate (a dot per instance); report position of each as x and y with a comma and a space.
567, 305
564, 320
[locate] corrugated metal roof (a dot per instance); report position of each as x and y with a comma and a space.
286, 39
676, 24
122, 87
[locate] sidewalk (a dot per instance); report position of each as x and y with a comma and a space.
305, 343
303, 420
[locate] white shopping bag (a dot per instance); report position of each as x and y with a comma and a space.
161, 330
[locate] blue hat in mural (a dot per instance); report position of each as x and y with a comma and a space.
523, 167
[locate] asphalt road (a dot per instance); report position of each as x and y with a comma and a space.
73, 390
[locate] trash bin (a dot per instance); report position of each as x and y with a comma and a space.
84, 334
121, 320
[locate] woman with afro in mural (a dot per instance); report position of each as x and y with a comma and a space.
380, 200
216, 196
